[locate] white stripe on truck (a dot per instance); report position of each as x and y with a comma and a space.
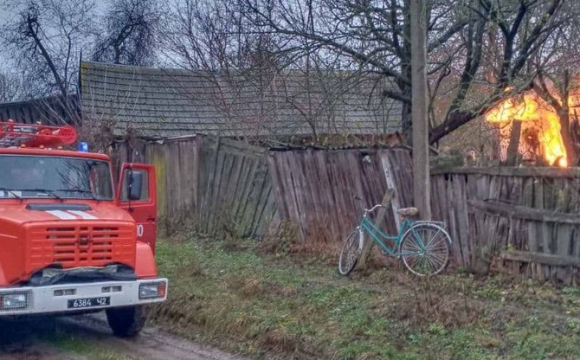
62, 215
83, 215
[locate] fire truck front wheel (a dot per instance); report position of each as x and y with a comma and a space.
127, 321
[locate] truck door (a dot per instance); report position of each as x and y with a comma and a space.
137, 195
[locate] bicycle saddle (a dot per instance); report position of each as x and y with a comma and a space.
408, 212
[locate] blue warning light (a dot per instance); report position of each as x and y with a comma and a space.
83, 147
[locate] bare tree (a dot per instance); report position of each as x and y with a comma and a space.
557, 80
46, 38
11, 88
209, 35
373, 36
211, 39
519, 29
206, 38
130, 36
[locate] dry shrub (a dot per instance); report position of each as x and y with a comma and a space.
225, 226
320, 235
169, 226
280, 240
246, 287
277, 290
179, 237
279, 340
216, 223
379, 261
483, 260
429, 301
98, 133
177, 312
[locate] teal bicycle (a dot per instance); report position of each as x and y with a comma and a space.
423, 246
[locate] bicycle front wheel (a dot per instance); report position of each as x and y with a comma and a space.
349, 254
425, 249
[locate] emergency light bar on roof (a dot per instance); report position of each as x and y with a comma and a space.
35, 135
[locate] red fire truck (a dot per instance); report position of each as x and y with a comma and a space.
70, 242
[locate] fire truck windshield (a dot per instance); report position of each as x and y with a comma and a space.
54, 177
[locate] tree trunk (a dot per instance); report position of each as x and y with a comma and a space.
34, 33
575, 135
567, 138
514, 145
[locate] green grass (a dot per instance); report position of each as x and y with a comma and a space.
267, 306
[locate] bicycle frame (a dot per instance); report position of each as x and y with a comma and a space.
420, 252
379, 237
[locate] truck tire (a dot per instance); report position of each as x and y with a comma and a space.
127, 321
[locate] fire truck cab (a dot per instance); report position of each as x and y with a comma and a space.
70, 241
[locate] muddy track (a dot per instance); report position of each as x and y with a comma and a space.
29, 341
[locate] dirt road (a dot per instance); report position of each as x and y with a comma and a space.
88, 337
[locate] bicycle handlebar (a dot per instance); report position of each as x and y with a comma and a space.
374, 208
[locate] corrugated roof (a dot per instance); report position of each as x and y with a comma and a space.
173, 102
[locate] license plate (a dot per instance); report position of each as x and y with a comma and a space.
87, 303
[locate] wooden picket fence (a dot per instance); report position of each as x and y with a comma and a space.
521, 220
325, 191
209, 184
235, 190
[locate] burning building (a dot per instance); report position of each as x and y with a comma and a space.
540, 140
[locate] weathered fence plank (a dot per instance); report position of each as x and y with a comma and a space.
209, 184
214, 183
526, 210
541, 258
538, 172
527, 213
318, 189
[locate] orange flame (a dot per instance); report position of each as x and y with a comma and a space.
536, 115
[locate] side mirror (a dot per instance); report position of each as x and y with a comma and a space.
135, 185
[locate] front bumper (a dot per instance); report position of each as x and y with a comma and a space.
55, 298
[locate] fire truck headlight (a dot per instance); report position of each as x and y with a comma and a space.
15, 301
152, 290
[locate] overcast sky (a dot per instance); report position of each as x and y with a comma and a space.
5, 14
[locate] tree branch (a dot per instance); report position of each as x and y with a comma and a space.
33, 25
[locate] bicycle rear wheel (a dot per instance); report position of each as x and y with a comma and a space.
349, 254
425, 249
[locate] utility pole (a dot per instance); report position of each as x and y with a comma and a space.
421, 176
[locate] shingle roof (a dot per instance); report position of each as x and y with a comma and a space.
172, 102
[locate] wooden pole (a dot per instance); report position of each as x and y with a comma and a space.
380, 222
421, 178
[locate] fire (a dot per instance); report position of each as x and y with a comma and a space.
540, 127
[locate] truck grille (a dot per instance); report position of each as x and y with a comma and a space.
81, 245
